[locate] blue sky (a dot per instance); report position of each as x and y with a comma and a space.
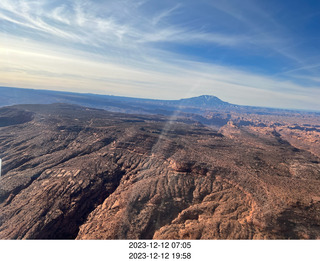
263, 53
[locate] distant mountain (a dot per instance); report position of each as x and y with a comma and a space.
71, 172
12, 96
206, 101
196, 105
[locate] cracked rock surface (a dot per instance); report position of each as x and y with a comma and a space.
73, 172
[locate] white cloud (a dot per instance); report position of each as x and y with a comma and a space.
60, 14
66, 69
166, 13
119, 55
81, 23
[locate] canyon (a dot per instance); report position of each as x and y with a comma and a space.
208, 171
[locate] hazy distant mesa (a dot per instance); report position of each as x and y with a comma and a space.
199, 168
246, 53
222, 139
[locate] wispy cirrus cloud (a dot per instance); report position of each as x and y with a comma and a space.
157, 50
79, 21
76, 71
165, 13
264, 29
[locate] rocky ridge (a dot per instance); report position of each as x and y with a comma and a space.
75, 172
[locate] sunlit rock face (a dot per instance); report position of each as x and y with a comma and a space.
77, 172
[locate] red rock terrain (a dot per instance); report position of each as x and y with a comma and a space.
74, 172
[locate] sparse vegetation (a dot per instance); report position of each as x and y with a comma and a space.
75, 172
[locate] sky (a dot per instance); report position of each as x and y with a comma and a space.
249, 52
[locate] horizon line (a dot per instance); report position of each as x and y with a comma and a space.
153, 99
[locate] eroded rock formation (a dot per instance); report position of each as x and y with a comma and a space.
75, 172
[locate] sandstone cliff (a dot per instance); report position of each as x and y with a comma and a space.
74, 172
